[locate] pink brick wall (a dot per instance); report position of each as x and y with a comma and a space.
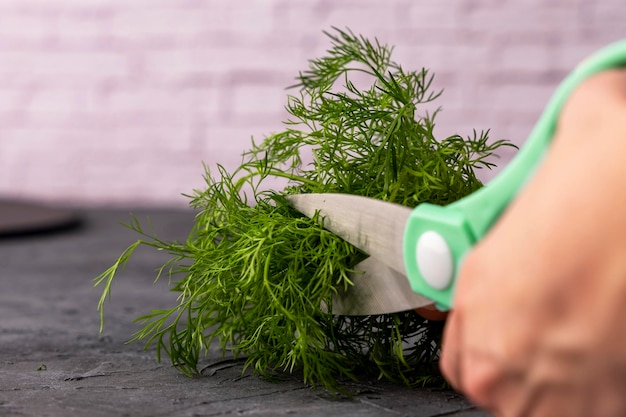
119, 101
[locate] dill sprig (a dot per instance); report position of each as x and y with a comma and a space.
253, 273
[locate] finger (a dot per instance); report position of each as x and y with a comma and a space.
472, 373
475, 371
486, 384
451, 351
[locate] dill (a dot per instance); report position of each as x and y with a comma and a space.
253, 272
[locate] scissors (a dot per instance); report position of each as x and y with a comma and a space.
415, 253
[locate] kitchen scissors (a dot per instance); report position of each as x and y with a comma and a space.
415, 253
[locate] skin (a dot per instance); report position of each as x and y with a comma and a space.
539, 323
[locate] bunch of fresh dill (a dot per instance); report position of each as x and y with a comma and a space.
253, 272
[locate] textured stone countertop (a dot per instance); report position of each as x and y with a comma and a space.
54, 361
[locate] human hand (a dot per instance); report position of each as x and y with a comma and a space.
538, 327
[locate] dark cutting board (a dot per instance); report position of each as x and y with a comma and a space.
25, 217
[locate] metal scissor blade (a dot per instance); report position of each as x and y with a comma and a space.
374, 226
377, 290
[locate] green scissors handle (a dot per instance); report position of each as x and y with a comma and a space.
436, 238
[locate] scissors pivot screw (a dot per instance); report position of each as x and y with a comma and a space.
434, 260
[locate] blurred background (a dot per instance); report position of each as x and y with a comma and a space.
119, 102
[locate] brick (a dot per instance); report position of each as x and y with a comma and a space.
91, 25
512, 19
517, 97
369, 20
45, 63
524, 57
164, 23
226, 143
12, 99
219, 61
159, 22
150, 99
24, 26
65, 101
254, 99
446, 58
300, 17
431, 16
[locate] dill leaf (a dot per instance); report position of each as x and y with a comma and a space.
253, 273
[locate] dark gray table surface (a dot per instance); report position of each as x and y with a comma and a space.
54, 361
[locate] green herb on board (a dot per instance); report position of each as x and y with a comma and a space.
254, 272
